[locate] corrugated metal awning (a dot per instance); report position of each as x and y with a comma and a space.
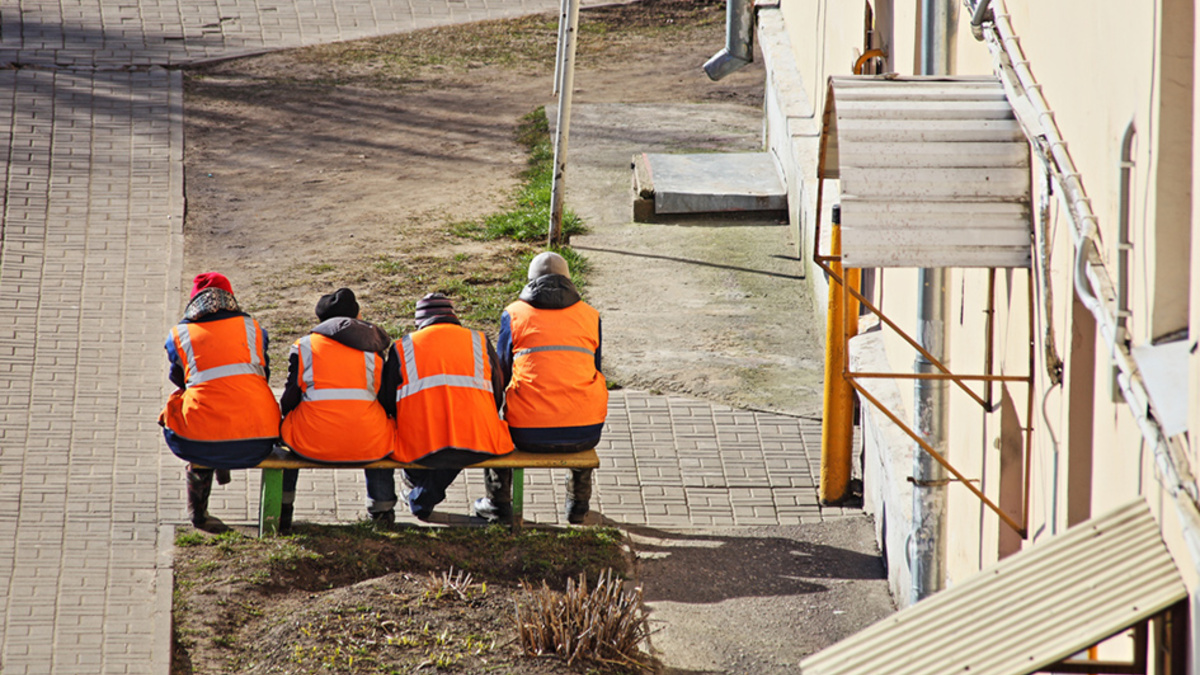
934, 172
1031, 610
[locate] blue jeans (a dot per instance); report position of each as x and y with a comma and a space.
381, 489
428, 489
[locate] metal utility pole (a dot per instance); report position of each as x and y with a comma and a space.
565, 85
927, 547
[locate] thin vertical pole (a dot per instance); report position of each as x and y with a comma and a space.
563, 127
563, 19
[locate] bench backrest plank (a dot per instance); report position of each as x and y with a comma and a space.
514, 460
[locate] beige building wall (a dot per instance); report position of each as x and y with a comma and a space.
1103, 65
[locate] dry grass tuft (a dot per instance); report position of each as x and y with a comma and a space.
605, 625
458, 583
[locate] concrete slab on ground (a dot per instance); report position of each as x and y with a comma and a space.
707, 183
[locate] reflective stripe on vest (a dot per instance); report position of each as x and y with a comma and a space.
312, 393
418, 383
555, 348
196, 376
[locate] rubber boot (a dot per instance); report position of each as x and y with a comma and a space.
199, 486
285, 518
579, 493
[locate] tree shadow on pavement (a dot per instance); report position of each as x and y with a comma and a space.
707, 567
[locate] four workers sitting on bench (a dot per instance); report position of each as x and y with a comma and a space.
353, 396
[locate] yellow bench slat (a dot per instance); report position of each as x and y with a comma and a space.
514, 460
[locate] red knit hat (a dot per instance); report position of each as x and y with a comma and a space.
211, 280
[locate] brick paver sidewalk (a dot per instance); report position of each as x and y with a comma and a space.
90, 264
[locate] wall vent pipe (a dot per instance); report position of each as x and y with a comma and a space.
739, 40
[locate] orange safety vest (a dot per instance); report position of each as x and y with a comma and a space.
447, 400
339, 418
554, 378
227, 396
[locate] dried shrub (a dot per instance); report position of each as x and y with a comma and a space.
458, 583
605, 625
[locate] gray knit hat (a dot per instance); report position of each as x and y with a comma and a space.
548, 263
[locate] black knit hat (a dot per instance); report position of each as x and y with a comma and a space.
433, 305
338, 303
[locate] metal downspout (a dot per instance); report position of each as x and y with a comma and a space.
930, 407
739, 40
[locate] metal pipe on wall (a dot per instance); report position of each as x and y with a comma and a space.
927, 554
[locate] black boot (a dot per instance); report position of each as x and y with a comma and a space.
199, 486
579, 493
384, 519
285, 518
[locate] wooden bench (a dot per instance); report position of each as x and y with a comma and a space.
271, 497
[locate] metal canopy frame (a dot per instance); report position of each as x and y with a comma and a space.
832, 265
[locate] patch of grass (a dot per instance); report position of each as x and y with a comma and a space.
529, 218
190, 538
320, 268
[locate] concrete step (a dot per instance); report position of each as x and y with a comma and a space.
712, 183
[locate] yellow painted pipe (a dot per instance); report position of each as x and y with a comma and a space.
867, 56
837, 420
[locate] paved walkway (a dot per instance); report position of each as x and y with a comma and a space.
90, 264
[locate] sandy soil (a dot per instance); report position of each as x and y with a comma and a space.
312, 169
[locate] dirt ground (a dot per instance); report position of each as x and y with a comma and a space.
359, 601
345, 165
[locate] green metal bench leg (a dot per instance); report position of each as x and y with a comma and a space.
518, 497
270, 502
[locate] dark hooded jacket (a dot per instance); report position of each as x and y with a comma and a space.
356, 334
551, 291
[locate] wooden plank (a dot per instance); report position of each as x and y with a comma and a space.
514, 460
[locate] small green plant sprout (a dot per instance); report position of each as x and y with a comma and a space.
605, 625
479, 646
223, 641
